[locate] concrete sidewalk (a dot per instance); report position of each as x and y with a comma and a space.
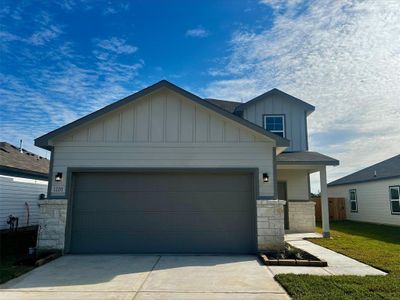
147, 277
338, 264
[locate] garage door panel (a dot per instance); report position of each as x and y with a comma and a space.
164, 221
183, 243
159, 201
161, 182
162, 213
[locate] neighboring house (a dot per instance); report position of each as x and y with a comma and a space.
163, 170
23, 177
372, 194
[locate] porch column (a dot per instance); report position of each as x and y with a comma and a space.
324, 203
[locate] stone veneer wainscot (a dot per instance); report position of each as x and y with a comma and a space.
270, 224
52, 221
301, 216
53, 215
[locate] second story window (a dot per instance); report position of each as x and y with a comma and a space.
275, 124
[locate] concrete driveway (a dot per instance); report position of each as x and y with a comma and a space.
146, 277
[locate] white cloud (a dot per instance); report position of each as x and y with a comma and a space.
116, 7
282, 4
44, 35
8, 37
40, 99
58, 96
117, 45
341, 56
66, 4
45, 87
41, 29
198, 32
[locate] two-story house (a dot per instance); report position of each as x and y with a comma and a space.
165, 171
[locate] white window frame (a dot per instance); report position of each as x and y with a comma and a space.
397, 187
283, 131
355, 200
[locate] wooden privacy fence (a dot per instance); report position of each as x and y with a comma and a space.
337, 209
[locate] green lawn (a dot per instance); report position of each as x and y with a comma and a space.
376, 245
9, 271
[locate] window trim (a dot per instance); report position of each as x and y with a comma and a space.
355, 200
283, 123
392, 200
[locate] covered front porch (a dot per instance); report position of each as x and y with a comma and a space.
293, 185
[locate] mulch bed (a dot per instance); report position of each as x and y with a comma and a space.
291, 256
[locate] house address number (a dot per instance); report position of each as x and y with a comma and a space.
58, 189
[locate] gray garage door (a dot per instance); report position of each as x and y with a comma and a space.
162, 213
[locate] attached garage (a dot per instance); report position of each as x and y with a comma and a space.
162, 212
162, 171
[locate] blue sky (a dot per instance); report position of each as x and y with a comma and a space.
63, 59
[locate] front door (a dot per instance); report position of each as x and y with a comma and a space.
282, 195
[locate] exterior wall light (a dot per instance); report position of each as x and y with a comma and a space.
58, 177
265, 177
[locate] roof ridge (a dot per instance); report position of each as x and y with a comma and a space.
43, 140
309, 106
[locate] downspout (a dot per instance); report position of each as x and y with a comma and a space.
27, 213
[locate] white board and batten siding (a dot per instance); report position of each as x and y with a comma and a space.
14, 192
295, 118
164, 130
372, 199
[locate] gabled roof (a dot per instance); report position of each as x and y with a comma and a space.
229, 106
307, 107
305, 158
386, 169
13, 161
43, 141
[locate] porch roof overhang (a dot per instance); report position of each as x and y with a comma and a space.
312, 161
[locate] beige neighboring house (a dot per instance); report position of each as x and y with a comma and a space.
165, 171
372, 194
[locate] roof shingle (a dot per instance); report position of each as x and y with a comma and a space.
389, 168
229, 106
305, 158
12, 158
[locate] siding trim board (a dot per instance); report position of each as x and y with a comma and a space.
319, 163
8, 171
306, 129
275, 173
50, 177
260, 198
